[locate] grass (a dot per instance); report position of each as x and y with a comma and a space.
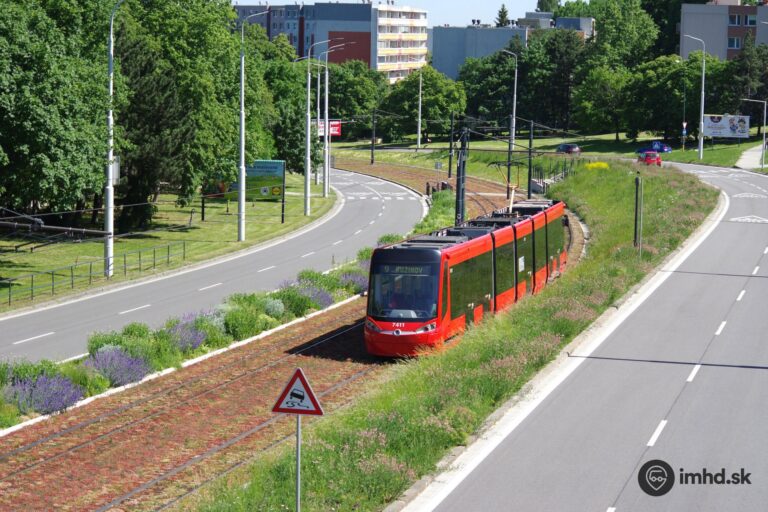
365, 456
216, 236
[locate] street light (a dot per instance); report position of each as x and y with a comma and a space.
703, 71
109, 191
765, 107
514, 124
241, 177
308, 130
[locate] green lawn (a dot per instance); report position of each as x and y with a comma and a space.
192, 240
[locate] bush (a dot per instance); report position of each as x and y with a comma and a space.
26, 370
328, 282
9, 414
274, 308
102, 339
319, 297
214, 329
296, 303
389, 238
44, 394
159, 351
252, 301
119, 367
354, 282
137, 330
186, 334
241, 323
92, 382
365, 254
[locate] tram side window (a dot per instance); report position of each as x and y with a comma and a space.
505, 268
471, 281
444, 307
540, 253
556, 237
524, 260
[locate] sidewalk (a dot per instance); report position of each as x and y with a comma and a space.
751, 158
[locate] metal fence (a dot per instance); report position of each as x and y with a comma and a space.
549, 170
31, 286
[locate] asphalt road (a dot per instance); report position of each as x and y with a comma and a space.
371, 207
683, 379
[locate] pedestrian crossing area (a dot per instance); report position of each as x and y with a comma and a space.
381, 196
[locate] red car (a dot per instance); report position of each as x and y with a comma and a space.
650, 158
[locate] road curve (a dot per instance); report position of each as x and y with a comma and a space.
681, 379
370, 208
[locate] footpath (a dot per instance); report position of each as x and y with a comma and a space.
751, 158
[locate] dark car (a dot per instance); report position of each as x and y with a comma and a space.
570, 149
657, 146
650, 158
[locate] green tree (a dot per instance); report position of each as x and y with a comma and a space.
600, 99
355, 91
547, 5
440, 97
502, 18
489, 84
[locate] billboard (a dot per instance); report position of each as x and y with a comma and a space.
266, 178
335, 125
726, 126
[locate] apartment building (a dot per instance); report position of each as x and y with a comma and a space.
722, 25
388, 37
451, 46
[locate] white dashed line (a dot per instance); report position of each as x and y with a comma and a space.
756, 269
611, 509
209, 287
33, 338
265, 269
308, 254
145, 306
720, 329
693, 373
380, 214
337, 242
657, 433
371, 223
741, 295
358, 231
765, 251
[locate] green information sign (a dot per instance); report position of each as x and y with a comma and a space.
266, 179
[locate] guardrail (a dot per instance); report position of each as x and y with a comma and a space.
30, 286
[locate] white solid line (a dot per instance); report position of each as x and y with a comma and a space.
657, 433
134, 309
358, 231
337, 242
73, 358
756, 269
741, 295
265, 269
720, 329
308, 254
33, 338
611, 509
693, 373
209, 287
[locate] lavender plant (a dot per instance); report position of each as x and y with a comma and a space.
354, 282
44, 394
318, 296
116, 365
186, 334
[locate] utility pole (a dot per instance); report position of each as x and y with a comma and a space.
418, 128
703, 74
308, 130
450, 152
530, 159
461, 173
373, 137
509, 152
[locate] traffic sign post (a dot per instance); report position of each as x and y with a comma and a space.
299, 399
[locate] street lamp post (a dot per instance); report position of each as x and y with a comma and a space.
703, 73
327, 137
308, 131
765, 107
514, 99
109, 191
418, 128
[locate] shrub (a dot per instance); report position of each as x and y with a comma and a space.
241, 323
274, 307
5, 373
44, 394
318, 296
159, 351
365, 253
253, 301
328, 282
117, 366
137, 330
388, 238
214, 329
92, 382
102, 339
186, 334
9, 414
596, 166
296, 303
355, 283
26, 370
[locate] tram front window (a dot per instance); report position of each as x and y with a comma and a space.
403, 291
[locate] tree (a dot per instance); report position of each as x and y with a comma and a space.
600, 99
355, 91
502, 19
440, 97
547, 5
666, 15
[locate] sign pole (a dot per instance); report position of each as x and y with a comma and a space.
298, 463
282, 215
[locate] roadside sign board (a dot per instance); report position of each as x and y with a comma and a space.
335, 125
263, 178
298, 397
726, 126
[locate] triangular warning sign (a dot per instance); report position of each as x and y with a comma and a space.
298, 397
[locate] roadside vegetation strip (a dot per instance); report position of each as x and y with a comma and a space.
368, 455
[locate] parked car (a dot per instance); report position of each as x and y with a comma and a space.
571, 149
650, 158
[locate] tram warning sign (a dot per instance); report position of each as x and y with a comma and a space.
298, 397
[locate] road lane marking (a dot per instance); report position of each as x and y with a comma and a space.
611, 509
720, 329
765, 251
308, 254
74, 358
33, 338
693, 373
265, 269
380, 214
756, 269
145, 306
657, 433
371, 223
337, 242
741, 295
358, 231
209, 287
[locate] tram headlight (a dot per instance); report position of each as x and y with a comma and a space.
372, 326
427, 328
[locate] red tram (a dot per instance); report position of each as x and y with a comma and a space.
427, 289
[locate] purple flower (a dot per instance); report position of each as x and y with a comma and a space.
317, 295
357, 282
365, 265
44, 394
117, 366
186, 335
